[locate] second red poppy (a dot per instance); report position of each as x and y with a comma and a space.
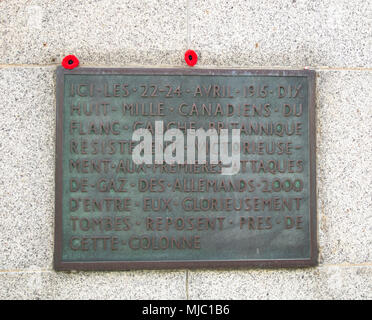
70, 62
191, 57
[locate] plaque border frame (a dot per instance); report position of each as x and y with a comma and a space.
60, 265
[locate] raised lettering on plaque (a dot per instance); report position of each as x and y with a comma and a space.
184, 168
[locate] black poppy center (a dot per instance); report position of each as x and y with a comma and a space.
190, 57
70, 61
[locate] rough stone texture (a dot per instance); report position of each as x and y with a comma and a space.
335, 35
27, 111
27, 144
320, 283
344, 162
239, 33
344, 141
94, 285
119, 32
282, 33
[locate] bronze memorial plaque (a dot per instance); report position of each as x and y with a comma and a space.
185, 168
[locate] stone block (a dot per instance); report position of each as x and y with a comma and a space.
287, 33
301, 284
110, 32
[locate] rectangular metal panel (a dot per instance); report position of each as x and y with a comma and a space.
112, 214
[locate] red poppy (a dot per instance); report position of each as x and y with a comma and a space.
191, 58
70, 62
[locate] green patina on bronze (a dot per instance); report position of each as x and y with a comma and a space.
266, 238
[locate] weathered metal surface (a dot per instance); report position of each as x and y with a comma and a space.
114, 215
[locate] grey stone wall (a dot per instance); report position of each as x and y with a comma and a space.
334, 37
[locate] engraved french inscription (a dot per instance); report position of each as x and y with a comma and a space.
184, 168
